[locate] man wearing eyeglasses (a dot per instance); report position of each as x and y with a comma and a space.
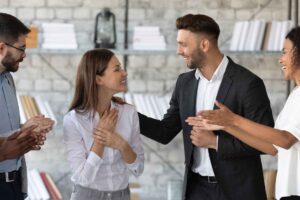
15, 140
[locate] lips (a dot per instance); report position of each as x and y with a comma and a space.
283, 67
123, 82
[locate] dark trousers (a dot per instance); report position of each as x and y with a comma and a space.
290, 198
199, 188
11, 190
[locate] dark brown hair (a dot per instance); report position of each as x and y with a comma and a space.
11, 28
93, 62
199, 24
294, 37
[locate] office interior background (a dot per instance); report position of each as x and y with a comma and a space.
50, 73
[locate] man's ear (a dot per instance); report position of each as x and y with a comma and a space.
205, 45
3, 48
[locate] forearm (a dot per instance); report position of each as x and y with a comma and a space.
128, 155
252, 141
262, 132
98, 149
2, 157
1, 141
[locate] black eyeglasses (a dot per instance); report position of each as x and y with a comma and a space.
20, 49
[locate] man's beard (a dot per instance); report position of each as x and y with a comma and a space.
10, 63
197, 60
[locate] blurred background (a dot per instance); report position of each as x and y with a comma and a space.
49, 68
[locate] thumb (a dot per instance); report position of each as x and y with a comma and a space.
220, 105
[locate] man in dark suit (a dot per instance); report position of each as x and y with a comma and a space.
218, 165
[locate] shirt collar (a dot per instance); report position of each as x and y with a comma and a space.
89, 115
218, 74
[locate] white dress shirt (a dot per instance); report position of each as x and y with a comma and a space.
109, 173
288, 174
206, 96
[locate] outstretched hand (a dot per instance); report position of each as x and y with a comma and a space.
203, 124
222, 116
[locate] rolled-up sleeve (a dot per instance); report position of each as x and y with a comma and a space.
137, 167
84, 163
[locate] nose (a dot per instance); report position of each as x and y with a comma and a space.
24, 54
179, 50
280, 60
125, 73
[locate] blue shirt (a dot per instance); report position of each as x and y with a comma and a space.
10, 116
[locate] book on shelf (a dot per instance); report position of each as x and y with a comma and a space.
32, 37
59, 36
51, 187
32, 106
148, 38
259, 35
37, 189
41, 186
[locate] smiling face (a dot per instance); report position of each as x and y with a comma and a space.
188, 46
113, 79
286, 60
14, 54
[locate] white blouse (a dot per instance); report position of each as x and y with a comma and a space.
109, 173
288, 174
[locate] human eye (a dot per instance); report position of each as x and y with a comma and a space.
117, 68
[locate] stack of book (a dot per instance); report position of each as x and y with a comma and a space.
41, 186
32, 106
152, 105
259, 35
32, 37
276, 33
148, 38
59, 36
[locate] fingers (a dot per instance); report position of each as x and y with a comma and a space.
195, 121
28, 131
220, 105
14, 135
101, 135
109, 119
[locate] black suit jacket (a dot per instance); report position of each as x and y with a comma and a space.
236, 165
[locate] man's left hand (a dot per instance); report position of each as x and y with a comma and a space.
203, 138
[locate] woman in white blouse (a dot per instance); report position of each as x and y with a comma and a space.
284, 138
101, 132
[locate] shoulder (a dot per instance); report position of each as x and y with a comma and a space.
74, 116
240, 73
127, 108
187, 75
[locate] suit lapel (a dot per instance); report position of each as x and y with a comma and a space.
190, 95
226, 83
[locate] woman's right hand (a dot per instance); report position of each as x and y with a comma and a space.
109, 120
221, 117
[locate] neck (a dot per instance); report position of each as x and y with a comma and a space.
297, 78
213, 60
104, 103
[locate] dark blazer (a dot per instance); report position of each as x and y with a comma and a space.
236, 165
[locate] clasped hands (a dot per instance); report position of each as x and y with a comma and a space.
208, 121
30, 137
104, 133
38, 126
